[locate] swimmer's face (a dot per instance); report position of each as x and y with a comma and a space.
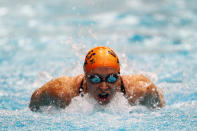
102, 83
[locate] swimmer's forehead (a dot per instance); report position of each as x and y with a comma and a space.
103, 71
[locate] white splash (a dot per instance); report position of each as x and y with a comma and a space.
87, 104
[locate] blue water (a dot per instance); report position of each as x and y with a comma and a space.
41, 40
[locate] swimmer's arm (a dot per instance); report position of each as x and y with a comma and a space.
140, 90
58, 92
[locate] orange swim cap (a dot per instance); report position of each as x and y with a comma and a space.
101, 56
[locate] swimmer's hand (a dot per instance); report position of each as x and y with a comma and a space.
58, 93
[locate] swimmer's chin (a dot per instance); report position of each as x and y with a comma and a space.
103, 102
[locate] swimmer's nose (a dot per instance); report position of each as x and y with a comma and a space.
103, 86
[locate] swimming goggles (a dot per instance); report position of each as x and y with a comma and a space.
95, 79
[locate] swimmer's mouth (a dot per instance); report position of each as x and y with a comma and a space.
103, 96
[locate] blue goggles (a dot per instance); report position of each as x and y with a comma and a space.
95, 79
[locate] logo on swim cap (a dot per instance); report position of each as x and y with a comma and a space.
101, 57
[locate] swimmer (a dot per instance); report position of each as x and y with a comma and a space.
101, 79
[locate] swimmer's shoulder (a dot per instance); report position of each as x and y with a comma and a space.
135, 83
70, 84
134, 80
137, 86
58, 91
65, 86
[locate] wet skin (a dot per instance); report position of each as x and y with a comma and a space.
103, 92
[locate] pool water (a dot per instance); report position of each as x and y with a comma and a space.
47, 39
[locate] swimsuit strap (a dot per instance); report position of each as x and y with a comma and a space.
122, 87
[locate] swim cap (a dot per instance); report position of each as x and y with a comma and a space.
101, 56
